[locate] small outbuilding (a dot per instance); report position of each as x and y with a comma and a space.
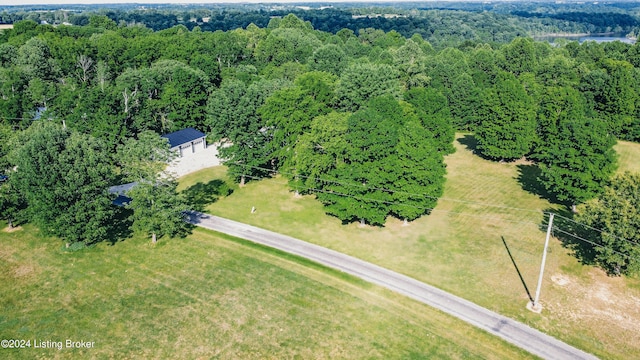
186, 141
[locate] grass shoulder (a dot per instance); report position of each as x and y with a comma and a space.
469, 248
210, 295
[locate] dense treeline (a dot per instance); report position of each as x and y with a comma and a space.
595, 22
440, 25
361, 119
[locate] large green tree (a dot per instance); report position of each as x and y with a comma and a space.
578, 164
12, 203
34, 57
612, 92
318, 151
287, 44
420, 172
557, 106
165, 97
433, 111
64, 177
617, 212
144, 158
288, 113
236, 123
158, 209
519, 56
330, 58
388, 165
507, 127
361, 82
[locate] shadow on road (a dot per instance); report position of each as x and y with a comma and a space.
513, 261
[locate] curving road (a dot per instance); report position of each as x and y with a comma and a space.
510, 330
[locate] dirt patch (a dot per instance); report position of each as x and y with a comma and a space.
522, 161
560, 279
23, 270
601, 301
13, 229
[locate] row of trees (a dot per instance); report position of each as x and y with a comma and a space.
446, 26
361, 120
517, 97
61, 180
443, 24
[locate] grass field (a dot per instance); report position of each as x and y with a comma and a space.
470, 248
211, 296
628, 156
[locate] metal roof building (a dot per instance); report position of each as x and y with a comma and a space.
186, 141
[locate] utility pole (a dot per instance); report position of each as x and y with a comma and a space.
535, 305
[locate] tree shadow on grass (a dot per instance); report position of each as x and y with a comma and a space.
528, 178
470, 142
574, 237
199, 195
121, 228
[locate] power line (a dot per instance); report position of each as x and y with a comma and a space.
455, 212
427, 196
599, 230
402, 204
594, 243
393, 191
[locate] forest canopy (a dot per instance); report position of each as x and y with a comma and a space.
362, 116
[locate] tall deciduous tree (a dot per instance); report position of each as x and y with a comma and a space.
144, 158
12, 96
11, 203
507, 127
158, 209
433, 111
6, 136
319, 151
613, 94
288, 113
355, 191
580, 162
387, 165
34, 57
519, 56
287, 44
557, 106
361, 82
64, 178
420, 172
234, 120
330, 58
617, 212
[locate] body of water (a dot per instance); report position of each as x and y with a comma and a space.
592, 37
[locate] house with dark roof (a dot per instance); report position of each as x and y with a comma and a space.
186, 141
121, 191
121, 201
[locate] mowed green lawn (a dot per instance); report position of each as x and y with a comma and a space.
628, 156
489, 210
211, 296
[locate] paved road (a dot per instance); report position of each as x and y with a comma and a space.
510, 330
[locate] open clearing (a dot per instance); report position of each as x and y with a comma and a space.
212, 296
628, 156
464, 248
